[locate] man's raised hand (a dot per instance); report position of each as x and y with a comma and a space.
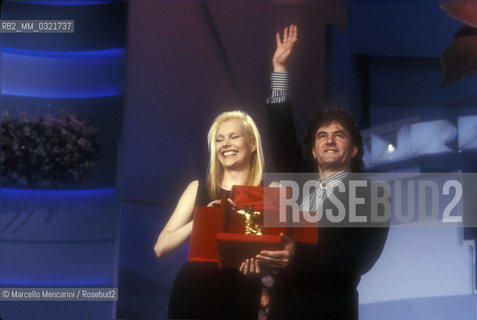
284, 47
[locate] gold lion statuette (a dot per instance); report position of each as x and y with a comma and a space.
252, 225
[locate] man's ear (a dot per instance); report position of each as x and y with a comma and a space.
355, 152
314, 153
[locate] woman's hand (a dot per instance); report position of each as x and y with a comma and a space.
216, 203
284, 48
250, 266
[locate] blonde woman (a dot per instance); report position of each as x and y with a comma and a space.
201, 289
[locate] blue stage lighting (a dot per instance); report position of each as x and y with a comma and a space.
62, 74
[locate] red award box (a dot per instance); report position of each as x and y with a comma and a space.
234, 248
219, 234
207, 222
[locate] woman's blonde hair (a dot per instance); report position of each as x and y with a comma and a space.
215, 172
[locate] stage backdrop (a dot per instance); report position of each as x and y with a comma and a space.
61, 233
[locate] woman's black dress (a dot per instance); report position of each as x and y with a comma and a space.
202, 290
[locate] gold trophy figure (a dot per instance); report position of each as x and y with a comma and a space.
252, 225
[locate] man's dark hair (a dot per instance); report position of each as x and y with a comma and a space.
345, 119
